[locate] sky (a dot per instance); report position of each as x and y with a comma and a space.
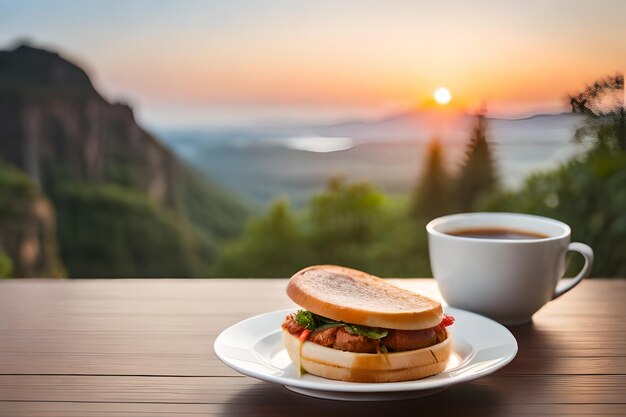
191, 63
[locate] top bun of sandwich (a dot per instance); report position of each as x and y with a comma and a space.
352, 296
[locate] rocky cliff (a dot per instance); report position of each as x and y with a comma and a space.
53, 122
98, 166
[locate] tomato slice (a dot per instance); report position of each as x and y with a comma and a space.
304, 335
448, 320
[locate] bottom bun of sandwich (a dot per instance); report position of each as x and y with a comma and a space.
342, 365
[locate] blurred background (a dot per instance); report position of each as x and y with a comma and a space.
250, 139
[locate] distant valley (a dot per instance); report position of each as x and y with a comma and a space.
263, 164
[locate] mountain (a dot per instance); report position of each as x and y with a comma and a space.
262, 163
92, 159
52, 119
422, 125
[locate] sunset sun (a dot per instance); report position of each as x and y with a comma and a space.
442, 95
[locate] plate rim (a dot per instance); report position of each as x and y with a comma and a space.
343, 386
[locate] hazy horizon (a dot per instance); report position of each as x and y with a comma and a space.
195, 64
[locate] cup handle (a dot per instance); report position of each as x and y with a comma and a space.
585, 251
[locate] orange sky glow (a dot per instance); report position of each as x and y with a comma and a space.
516, 58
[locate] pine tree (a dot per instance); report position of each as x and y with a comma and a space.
477, 175
431, 197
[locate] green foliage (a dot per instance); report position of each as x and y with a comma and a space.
348, 224
401, 248
369, 332
26, 218
589, 194
315, 322
114, 230
306, 319
343, 220
272, 246
603, 103
6, 265
146, 239
14, 186
355, 225
111, 231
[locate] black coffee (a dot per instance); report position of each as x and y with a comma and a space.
497, 233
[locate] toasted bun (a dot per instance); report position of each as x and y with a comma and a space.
367, 367
353, 296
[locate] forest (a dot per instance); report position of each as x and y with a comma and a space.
354, 224
146, 214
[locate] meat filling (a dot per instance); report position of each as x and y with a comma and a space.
291, 325
324, 337
400, 340
355, 343
396, 340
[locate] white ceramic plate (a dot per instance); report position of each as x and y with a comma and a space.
255, 348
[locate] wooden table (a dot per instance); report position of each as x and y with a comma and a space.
145, 347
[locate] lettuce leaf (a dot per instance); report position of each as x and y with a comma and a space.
315, 322
305, 319
369, 332
329, 325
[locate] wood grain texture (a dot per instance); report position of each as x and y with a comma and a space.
145, 347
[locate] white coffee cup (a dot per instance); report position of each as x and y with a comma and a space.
505, 279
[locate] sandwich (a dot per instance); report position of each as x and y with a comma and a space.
359, 328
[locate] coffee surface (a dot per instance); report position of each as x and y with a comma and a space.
497, 233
